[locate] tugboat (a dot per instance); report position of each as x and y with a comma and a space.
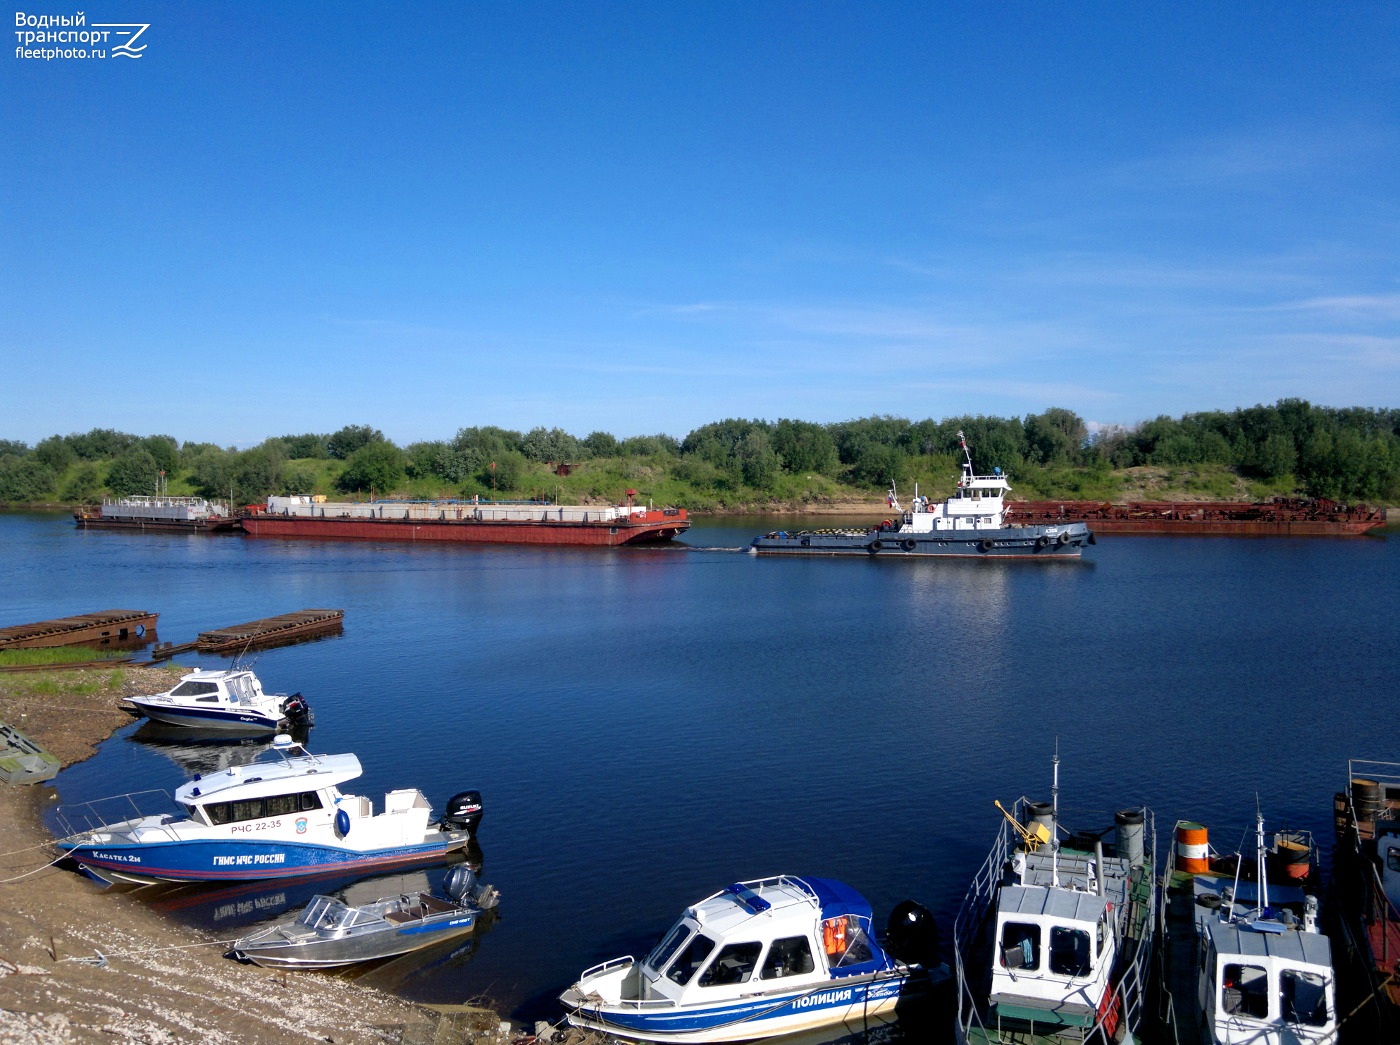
1052, 943
762, 958
1244, 959
971, 523
283, 817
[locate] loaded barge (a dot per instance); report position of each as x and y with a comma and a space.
1280, 517
158, 514
480, 522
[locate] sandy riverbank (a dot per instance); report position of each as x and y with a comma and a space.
163, 983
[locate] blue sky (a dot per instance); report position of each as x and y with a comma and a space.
640, 217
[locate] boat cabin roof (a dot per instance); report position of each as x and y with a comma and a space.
1060, 905
1267, 939
259, 779
779, 901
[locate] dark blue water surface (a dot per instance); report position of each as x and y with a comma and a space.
648, 725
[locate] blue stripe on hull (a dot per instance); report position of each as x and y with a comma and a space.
830, 1003
210, 719
215, 861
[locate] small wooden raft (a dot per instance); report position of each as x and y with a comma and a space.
86, 629
270, 631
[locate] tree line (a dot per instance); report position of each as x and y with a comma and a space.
1350, 454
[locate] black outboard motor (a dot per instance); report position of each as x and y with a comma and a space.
461, 886
463, 812
912, 935
298, 711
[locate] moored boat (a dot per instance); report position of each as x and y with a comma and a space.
283, 816
1243, 958
1364, 899
230, 699
22, 761
330, 932
761, 958
1053, 940
972, 523
158, 514
477, 522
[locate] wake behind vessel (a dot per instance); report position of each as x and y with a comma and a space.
476, 521
971, 523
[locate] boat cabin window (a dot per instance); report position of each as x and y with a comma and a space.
259, 808
1103, 934
1020, 945
669, 945
194, 689
1392, 858
694, 955
857, 947
1069, 951
1245, 991
733, 964
791, 956
1304, 997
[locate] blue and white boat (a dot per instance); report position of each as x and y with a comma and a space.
282, 817
761, 958
971, 523
225, 700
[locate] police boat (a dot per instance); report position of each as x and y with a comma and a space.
284, 816
762, 958
226, 700
330, 932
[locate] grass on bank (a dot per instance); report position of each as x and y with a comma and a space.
56, 656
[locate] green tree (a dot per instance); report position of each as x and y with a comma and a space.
134, 472
306, 446
805, 447
1056, 436
83, 485
24, 478
351, 438
504, 472
758, 463
56, 453
600, 444
376, 467
553, 444
298, 482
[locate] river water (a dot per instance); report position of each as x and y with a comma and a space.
648, 725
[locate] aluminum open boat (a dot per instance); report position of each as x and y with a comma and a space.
281, 817
330, 932
229, 700
761, 958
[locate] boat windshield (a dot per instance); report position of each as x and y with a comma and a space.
1304, 997
241, 686
194, 689
326, 912
666, 949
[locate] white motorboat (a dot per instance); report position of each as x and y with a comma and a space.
761, 958
281, 817
231, 699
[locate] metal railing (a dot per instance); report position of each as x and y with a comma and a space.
106, 814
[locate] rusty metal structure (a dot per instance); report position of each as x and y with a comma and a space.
271, 631
101, 628
1280, 517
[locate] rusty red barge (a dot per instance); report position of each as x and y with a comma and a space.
1281, 517
477, 522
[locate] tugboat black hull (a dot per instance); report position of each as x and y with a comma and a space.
1011, 542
